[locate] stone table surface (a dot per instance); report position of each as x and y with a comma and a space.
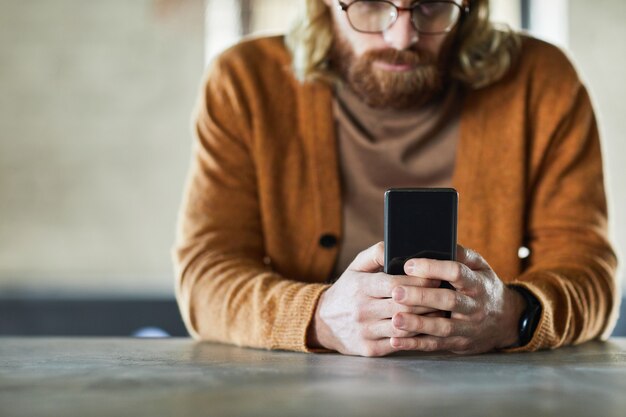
180, 377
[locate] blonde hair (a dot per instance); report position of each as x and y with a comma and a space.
483, 53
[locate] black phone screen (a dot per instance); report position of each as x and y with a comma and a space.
419, 223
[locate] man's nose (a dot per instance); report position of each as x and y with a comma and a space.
402, 34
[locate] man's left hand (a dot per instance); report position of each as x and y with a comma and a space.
485, 312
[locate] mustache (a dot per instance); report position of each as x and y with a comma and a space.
397, 57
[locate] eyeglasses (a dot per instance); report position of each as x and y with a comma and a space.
427, 16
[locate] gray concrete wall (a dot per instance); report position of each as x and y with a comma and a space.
94, 133
596, 40
94, 141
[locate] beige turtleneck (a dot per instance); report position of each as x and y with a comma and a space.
385, 148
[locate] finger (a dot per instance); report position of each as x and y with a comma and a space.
427, 343
380, 347
471, 258
385, 329
436, 298
456, 273
434, 326
414, 281
380, 285
386, 308
371, 259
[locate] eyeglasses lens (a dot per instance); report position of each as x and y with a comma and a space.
435, 17
371, 16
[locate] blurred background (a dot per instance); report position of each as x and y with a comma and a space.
95, 139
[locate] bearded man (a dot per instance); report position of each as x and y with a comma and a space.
298, 137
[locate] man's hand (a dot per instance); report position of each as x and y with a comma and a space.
485, 312
354, 315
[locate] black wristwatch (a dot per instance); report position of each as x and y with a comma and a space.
530, 317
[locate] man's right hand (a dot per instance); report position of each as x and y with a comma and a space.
354, 316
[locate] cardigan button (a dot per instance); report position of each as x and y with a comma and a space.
328, 241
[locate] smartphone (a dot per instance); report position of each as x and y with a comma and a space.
419, 223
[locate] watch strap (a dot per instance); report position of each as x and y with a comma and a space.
529, 319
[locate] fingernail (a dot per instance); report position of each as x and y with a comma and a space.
409, 268
398, 293
398, 321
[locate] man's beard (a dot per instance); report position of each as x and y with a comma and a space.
380, 88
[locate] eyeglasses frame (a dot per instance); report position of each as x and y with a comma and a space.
463, 7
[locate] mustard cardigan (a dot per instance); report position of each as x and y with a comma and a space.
260, 222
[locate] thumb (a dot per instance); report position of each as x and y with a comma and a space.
371, 259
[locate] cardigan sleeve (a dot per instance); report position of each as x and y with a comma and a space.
572, 267
225, 290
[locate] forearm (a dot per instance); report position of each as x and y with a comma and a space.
578, 299
572, 267
233, 300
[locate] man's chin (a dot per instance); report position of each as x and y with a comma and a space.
380, 93
397, 102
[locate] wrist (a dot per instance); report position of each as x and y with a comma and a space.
316, 328
530, 316
515, 307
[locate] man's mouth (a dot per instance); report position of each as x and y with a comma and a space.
386, 66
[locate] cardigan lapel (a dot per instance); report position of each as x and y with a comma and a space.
318, 131
489, 176
468, 159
